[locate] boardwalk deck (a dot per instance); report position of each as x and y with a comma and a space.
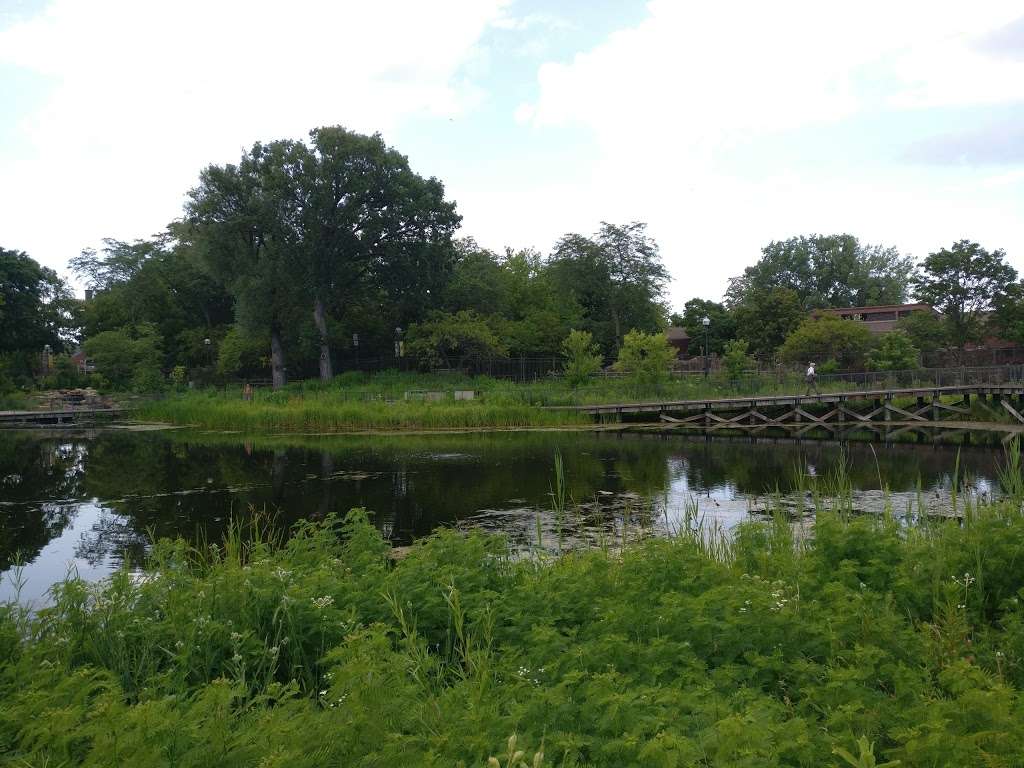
62, 416
755, 410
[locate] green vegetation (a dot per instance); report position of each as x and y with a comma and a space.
828, 339
308, 257
876, 640
405, 401
895, 352
581, 358
646, 358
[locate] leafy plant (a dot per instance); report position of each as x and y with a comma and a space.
647, 357
582, 360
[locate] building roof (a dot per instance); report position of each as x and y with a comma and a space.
875, 308
676, 333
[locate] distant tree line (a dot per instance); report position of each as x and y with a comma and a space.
974, 292
304, 253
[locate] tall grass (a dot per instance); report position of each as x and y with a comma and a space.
874, 638
324, 412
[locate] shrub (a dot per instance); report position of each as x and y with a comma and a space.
895, 352
647, 357
826, 338
581, 357
735, 360
128, 357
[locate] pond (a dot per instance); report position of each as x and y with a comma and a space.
92, 500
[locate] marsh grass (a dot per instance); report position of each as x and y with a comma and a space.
354, 402
873, 640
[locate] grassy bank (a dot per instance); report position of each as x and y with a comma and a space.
379, 402
762, 651
327, 412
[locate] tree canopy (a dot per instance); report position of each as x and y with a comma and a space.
36, 308
964, 282
826, 271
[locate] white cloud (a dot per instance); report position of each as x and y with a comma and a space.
144, 94
668, 101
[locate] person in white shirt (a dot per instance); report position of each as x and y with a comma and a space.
811, 379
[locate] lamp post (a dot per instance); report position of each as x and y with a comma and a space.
355, 346
209, 350
707, 362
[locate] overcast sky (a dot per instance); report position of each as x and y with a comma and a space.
722, 125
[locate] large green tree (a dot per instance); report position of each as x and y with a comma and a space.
765, 318
369, 221
826, 271
239, 221
618, 279
36, 308
964, 282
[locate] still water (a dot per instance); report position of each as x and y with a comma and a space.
90, 501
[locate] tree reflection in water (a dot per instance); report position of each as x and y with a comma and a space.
179, 483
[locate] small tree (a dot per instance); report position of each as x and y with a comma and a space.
581, 358
895, 352
735, 360
827, 338
647, 357
927, 331
128, 357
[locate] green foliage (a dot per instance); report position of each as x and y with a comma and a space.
963, 282
735, 360
240, 354
36, 308
617, 278
647, 357
927, 331
895, 352
128, 357
827, 338
453, 339
64, 374
826, 271
581, 358
721, 329
766, 317
875, 643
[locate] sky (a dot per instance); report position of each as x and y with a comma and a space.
724, 126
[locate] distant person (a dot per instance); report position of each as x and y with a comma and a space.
812, 380
247, 392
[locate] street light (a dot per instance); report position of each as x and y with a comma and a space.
209, 350
706, 322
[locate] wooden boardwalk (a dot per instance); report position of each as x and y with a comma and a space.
58, 417
858, 407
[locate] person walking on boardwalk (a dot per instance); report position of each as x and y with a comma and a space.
812, 379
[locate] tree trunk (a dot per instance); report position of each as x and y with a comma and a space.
616, 324
277, 369
320, 318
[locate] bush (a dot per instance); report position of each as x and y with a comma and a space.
647, 357
581, 357
736, 360
824, 338
895, 352
128, 357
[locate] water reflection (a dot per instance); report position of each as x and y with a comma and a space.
92, 500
